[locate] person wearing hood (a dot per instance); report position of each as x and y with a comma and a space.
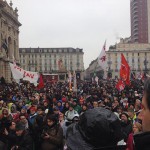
59, 105
76, 106
97, 129
13, 111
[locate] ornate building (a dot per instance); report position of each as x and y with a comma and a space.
137, 55
9, 38
53, 60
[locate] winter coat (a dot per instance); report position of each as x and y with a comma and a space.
130, 142
142, 141
24, 142
11, 138
126, 129
55, 142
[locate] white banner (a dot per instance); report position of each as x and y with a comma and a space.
19, 73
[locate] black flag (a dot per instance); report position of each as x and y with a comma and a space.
5, 46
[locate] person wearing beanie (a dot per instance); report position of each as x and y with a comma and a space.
126, 125
59, 105
23, 140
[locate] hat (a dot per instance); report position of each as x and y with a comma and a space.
24, 107
32, 108
124, 113
97, 128
59, 101
20, 126
71, 105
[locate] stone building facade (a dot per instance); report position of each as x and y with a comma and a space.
9, 38
137, 55
52, 60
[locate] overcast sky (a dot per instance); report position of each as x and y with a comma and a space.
73, 23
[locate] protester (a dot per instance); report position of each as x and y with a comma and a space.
25, 103
52, 134
141, 140
126, 125
23, 140
97, 128
137, 127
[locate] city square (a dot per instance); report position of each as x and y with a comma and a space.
75, 75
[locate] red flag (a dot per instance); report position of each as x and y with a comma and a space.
120, 85
125, 70
41, 83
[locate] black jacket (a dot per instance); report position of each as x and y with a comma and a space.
126, 129
142, 141
24, 142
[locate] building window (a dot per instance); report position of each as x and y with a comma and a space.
32, 50
132, 60
54, 50
45, 50
60, 50
65, 50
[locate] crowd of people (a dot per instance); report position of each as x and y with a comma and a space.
41, 119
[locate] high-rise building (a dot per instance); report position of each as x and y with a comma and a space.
137, 55
140, 21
